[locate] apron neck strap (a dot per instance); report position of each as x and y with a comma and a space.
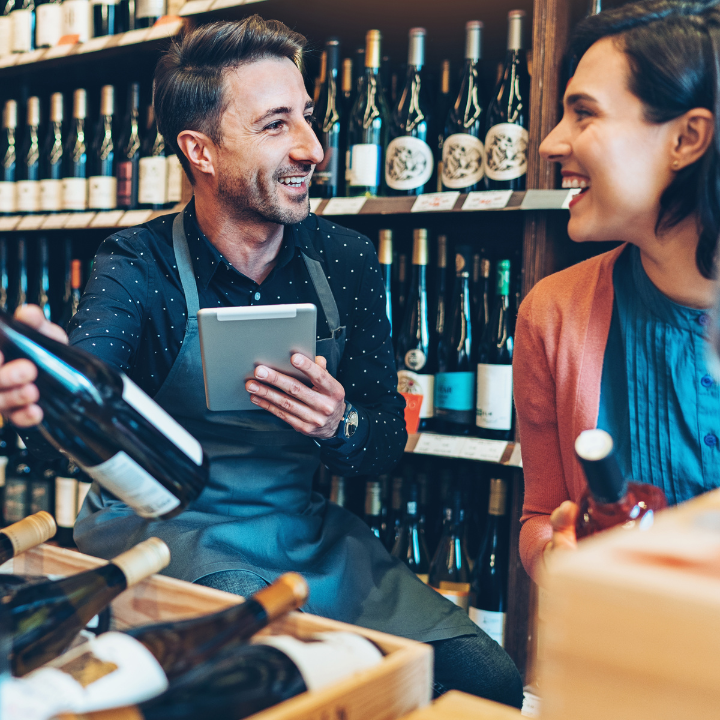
324, 293
185, 266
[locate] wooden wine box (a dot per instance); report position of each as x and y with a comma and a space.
631, 622
456, 705
401, 683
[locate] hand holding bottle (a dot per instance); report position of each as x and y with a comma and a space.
563, 520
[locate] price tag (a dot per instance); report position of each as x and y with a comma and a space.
442, 445
58, 51
107, 219
479, 449
97, 43
166, 29
55, 221
344, 206
487, 200
9, 222
194, 7
31, 222
79, 220
315, 204
30, 57
8, 60
543, 199
135, 217
133, 36
435, 202
571, 194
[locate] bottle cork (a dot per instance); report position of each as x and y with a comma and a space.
143, 560
288, 592
385, 248
31, 531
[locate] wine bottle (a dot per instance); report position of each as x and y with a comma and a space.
400, 284
441, 286
74, 184
494, 402
152, 187
443, 103
373, 508
367, 127
106, 17
395, 516
506, 137
462, 147
347, 85
41, 491
66, 499
8, 154
327, 125
4, 294
148, 12
102, 184
449, 570
337, 490
23, 26
25, 534
51, 167
488, 588
455, 380
129, 153
71, 290
609, 499
415, 356
409, 161
6, 27
21, 293
410, 544
100, 419
27, 186
48, 23
174, 180
16, 503
47, 616
76, 19
42, 299
385, 257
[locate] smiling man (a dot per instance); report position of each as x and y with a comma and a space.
231, 101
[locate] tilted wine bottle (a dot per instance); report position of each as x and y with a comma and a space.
508, 115
385, 258
75, 155
128, 166
410, 543
102, 183
25, 534
28, 176
51, 161
409, 160
8, 158
105, 423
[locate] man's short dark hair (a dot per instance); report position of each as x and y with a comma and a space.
190, 77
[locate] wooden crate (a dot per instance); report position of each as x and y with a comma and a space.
401, 683
456, 705
632, 622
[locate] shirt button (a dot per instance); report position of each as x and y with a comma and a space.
704, 319
710, 440
707, 381
257, 295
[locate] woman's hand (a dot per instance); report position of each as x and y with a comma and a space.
563, 524
18, 394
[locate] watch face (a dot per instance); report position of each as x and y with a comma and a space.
351, 424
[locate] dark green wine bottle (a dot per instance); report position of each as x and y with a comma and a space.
410, 543
23, 535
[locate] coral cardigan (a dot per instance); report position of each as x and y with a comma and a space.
560, 338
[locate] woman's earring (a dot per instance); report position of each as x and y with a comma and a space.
676, 164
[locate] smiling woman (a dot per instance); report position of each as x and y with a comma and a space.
617, 342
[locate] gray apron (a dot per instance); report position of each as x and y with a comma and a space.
258, 512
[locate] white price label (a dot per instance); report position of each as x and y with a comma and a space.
166, 29
487, 200
135, 217
194, 7
315, 204
79, 220
571, 194
110, 218
32, 222
9, 222
97, 43
435, 202
479, 449
344, 206
58, 51
133, 36
442, 445
30, 57
55, 222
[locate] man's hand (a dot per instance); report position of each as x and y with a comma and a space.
563, 524
315, 411
18, 394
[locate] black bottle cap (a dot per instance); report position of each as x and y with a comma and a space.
596, 453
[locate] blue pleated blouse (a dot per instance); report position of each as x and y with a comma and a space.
657, 397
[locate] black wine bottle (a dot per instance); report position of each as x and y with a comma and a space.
28, 171
415, 355
462, 146
100, 419
148, 12
409, 160
23, 26
506, 138
42, 489
337, 490
480, 293
71, 299
106, 17
42, 283
16, 501
48, 23
51, 160
373, 508
326, 180
441, 286
152, 187
102, 184
75, 155
488, 588
367, 127
396, 514
385, 258
25, 534
455, 379
66, 501
443, 102
400, 286
494, 402
8, 158
21, 291
128, 166
174, 179
410, 543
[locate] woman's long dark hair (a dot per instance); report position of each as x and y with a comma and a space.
673, 50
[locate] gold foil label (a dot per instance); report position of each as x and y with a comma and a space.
498, 497
420, 248
87, 668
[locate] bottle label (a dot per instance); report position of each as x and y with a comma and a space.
7, 197
156, 416
491, 623
506, 147
125, 479
415, 359
83, 490
494, 397
74, 194
102, 192
455, 391
415, 384
39, 497
76, 19
150, 9
28, 196
124, 183
49, 24
22, 29
463, 161
153, 181
15, 500
409, 163
5, 35
66, 492
363, 169
50, 193
456, 593
174, 179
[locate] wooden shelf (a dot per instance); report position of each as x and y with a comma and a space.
465, 448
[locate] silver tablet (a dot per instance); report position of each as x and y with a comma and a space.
235, 340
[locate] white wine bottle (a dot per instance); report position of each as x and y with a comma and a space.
23, 535
28, 182
102, 184
51, 166
75, 156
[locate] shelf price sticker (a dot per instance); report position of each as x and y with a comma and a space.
31, 222
479, 449
9, 222
435, 202
56, 221
135, 217
193, 7
442, 445
110, 218
97, 43
571, 194
79, 220
487, 200
133, 36
315, 204
344, 206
